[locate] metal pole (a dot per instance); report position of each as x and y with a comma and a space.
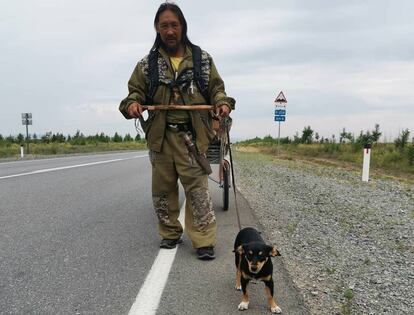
278, 140
278, 135
27, 134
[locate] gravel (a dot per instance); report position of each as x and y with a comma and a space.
348, 245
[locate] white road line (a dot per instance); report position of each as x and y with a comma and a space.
149, 295
69, 166
80, 156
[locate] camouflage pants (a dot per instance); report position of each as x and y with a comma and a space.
169, 166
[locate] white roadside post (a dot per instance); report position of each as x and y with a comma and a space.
365, 165
21, 151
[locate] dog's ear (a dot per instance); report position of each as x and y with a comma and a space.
272, 250
239, 250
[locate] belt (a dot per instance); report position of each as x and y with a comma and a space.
179, 127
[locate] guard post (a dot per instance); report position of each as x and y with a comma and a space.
365, 165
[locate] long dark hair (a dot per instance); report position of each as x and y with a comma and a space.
177, 11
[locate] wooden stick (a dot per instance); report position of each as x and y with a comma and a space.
176, 107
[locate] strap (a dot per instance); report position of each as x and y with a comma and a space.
198, 78
233, 181
153, 75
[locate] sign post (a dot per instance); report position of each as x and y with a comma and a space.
280, 112
27, 120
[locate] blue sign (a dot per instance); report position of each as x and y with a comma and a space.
280, 118
279, 112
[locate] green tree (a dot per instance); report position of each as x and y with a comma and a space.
138, 137
376, 134
296, 138
307, 135
402, 139
128, 138
78, 138
285, 140
345, 136
46, 137
58, 138
103, 138
10, 139
364, 138
117, 138
20, 138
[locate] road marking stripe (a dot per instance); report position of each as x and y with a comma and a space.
149, 295
70, 166
64, 157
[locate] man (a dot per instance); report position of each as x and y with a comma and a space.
179, 81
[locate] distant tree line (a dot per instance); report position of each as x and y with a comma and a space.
77, 139
309, 136
371, 137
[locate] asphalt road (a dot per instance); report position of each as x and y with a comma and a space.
78, 236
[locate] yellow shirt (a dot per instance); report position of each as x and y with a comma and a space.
175, 62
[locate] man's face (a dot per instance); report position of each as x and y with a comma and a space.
170, 30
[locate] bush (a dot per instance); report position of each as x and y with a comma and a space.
410, 153
331, 147
402, 139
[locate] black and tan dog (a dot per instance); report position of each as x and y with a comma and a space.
253, 261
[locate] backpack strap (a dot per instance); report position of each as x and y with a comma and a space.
152, 74
198, 78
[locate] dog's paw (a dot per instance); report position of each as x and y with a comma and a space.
238, 288
243, 306
276, 310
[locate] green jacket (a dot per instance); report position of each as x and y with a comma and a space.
200, 119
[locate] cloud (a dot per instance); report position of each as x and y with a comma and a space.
338, 62
99, 109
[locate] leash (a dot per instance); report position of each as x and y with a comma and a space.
233, 181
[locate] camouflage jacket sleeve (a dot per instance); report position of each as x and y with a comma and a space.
137, 86
217, 90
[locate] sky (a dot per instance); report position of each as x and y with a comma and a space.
340, 64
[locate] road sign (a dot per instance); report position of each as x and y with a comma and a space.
279, 112
281, 98
280, 118
27, 122
26, 115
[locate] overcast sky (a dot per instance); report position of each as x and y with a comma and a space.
339, 63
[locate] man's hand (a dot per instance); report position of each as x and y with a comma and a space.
135, 110
223, 110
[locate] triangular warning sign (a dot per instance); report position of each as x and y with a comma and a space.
281, 98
